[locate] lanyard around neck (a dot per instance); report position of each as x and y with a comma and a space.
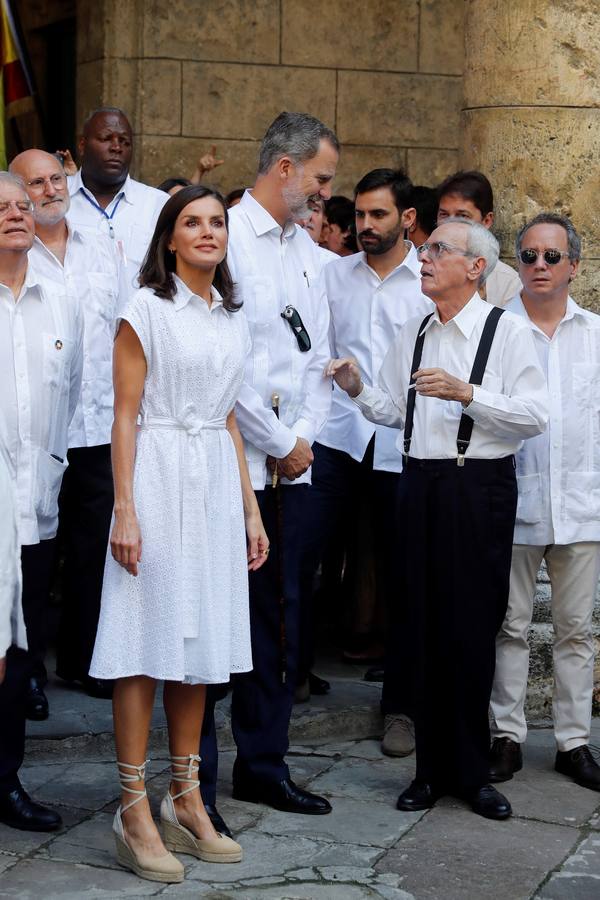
108, 218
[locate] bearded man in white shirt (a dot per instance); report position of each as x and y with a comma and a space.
371, 295
88, 270
105, 199
466, 385
276, 267
41, 357
558, 514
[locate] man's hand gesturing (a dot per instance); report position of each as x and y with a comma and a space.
346, 375
438, 383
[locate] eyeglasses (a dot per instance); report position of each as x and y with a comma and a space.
552, 257
292, 316
57, 181
435, 249
24, 206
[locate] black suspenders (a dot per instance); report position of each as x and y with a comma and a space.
465, 427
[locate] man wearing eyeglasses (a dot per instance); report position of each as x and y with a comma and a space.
276, 267
41, 356
558, 514
88, 269
466, 386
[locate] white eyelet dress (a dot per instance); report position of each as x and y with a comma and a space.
185, 616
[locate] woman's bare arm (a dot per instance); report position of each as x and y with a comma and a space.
258, 542
129, 374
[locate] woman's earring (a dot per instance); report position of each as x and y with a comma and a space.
172, 252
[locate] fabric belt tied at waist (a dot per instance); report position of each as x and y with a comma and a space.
195, 581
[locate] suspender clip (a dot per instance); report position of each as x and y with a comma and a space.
460, 459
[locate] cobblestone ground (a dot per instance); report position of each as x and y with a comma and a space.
549, 850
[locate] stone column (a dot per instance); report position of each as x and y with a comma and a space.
531, 120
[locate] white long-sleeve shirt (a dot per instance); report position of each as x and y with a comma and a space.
41, 363
129, 219
558, 472
274, 268
502, 284
367, 312
510, 405
12, 626
92, 275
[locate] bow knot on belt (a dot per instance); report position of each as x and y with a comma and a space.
187, 420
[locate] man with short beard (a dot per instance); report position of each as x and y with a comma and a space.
276, 267
105, 199
88, 271
371, 295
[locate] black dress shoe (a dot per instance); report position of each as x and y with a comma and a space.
417, 796
283, 795
580, 765
218, 822
374, 673
36, 703
506, 758
18, 810
318, 686
100, 688
489, 803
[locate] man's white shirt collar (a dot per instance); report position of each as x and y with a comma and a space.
410, 262
127, 189
466, 319
261, 219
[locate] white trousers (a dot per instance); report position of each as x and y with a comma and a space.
573, 570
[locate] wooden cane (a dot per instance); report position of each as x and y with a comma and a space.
276, 484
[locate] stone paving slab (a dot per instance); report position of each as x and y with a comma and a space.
579, 876
455, 855
380, 779
35, 878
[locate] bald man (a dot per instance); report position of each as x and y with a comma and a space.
88, 270
104, 198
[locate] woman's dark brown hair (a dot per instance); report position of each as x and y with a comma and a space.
159, 264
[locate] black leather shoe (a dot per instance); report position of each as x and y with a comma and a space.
580, 765
283, 795
506, 758
489, 803
36, 704
100, 688
374, 673
417, 796
218, 822
18, 810
318, 686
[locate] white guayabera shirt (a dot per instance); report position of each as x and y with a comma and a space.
501, 284
510, 405
92, 275
367, 312
129, 219
273, 269
558, 472
12, 626
41, 363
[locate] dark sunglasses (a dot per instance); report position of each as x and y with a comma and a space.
552, 257
292, 316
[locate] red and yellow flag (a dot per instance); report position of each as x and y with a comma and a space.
16, 93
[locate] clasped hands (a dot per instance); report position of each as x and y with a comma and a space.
428, 382
296, 463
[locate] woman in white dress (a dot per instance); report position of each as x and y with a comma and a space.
175, 594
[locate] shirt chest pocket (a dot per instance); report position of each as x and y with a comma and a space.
260, 302
102, 295
586, 386
57, 354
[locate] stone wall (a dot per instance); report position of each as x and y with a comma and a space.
386, 74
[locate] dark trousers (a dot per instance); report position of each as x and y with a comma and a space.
37, 562
338, 482
261, 705
454, 546
86, 504
36, 566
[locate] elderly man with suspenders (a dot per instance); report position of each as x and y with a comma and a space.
466, 385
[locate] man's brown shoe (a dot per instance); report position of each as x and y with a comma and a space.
505, 759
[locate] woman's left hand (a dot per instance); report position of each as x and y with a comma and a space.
258, 542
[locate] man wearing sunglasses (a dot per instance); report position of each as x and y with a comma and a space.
466, 386
558, 514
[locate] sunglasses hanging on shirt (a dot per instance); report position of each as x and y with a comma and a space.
292, 317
